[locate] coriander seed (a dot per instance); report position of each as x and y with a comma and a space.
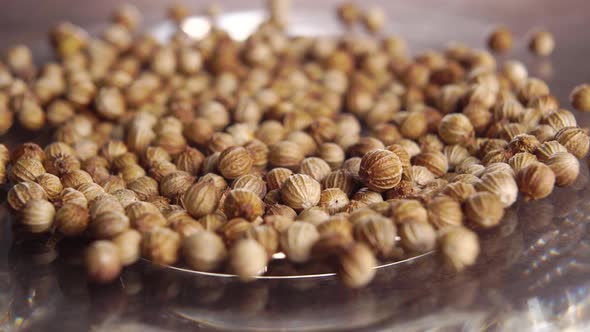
72, 219
357, 266
444, 211
300, 192
380, 170
500, 41
565, 166
419, 237
460, 247
297, 241
536, 181
244, 204
542, 43
204, 251
580, 98
248, 259
102, 261
37, 215
575, 140
128, 246
484, 209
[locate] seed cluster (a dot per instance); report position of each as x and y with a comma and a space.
219, 154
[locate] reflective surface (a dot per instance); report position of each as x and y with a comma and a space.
533, 274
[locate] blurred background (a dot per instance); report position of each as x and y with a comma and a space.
532, 276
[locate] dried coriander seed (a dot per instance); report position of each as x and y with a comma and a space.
484, 209
204, 251
160, 245
72, 219
348, 13
444, 211
300, 192
102, 261
580, 98
297, 241
460, 247
565, 166
128, 245
234, 162
244, 204
37, 215
500, 184
378, 233
575, 140
334, 200
500, 40
247, 258
357, 266
380, 170
418, 236
536, 181
542, 43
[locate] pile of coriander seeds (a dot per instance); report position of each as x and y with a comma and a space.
221, 155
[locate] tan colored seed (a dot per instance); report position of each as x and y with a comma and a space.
26, 169
419, 237
128, 244
297, 241
501, 184
380, 170
456, 129
107, 224
565, 166
102, 261
378, 233
71, 195
75, 178
51, 185
348, 13
444, 211
110, 103
315, 215
500, 41
265, 235
575, 140
174, 185
240, 203
37, 215
459, 190
332, 153
300, 192
484, 209
542, 43
285, 154
547, 149
247, 259
357, 266
520, 161
580, 98
72, 219
251, 182
234, 162
315, 167
160, 245
435, 161
536, 181
460, 247
334, 200
204, 251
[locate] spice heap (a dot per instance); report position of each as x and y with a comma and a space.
220, 154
